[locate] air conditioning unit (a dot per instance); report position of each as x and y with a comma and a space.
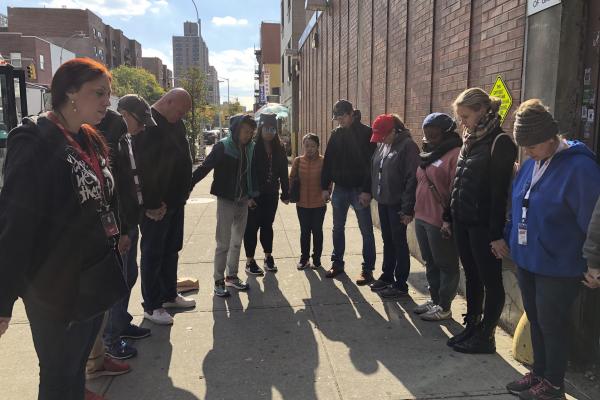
316, 5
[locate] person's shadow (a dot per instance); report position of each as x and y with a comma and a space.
267, 347
412, 350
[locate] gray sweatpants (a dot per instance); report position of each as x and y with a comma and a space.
231, 225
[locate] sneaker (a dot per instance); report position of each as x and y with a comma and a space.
525, 383
235, 282
379, 285
302, 264
364, 278
135, 332
180, 302
270, 264
253, 269
334, 271
160, 316
423, 308
110, 367
436, 313
543, 391
121, 350
393, 292
316, 264
479, 343
220, 289
89, 395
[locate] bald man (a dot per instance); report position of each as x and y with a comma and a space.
165, 167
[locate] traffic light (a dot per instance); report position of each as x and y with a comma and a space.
31, 72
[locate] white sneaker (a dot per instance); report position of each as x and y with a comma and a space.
423, 308
437, 313
160, 316
180, 302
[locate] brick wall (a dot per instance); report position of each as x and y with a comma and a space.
410, 57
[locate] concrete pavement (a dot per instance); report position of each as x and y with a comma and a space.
294, 335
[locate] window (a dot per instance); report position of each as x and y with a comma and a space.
275, 91
41, 62
15, 60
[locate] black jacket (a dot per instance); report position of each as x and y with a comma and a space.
398, 182
231, 167
165, 163
347, 160
481, 186
279, 171
50, 229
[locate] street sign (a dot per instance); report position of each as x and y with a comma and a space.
535, 6
500, 90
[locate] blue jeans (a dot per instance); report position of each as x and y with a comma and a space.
396, 256
341, 200
62, 349
548, 301
160, 245
118, 316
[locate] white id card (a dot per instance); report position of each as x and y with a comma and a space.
523, 234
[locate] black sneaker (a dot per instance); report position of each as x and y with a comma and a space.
525, 383
135, 332
379, 285
543, 391
479, 343
254, 269
270, 264
302, 264
393, 292
121, 350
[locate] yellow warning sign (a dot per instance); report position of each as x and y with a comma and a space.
500, 90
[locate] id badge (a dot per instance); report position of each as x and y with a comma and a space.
523, 234
109, 222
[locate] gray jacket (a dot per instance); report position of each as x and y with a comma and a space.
591, 248
395, 182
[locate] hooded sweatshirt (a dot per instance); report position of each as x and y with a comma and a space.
234, 177
559, 212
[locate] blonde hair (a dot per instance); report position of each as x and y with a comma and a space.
399, 124
476, 99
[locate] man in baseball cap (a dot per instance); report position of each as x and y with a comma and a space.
136, 112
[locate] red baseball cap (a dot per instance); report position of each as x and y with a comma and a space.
383, 125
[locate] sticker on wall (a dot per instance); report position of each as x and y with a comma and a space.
590, 116
587, 76
500, 90
584, 113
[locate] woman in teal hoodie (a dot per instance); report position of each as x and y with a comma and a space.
553, 197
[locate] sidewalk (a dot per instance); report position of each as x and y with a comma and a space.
294, 335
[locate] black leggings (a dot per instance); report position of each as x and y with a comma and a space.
311, 222
262, 218
483, 274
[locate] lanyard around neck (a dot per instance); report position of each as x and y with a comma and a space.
89, 157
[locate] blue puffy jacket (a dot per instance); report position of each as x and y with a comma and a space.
560, 208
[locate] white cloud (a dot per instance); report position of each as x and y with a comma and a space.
106, 8
229, 21
238, 66
149, 52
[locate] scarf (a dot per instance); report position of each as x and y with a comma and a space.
431, 154
488, 123
232, 149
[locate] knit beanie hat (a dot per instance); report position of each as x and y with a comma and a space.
440, 120
534, 125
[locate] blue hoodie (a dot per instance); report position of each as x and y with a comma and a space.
560, 208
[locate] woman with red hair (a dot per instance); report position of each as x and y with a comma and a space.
58, 228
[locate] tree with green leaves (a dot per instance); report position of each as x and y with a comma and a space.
194, 82
127, 80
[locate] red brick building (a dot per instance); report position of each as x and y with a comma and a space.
22, 51
60, 26
409, 57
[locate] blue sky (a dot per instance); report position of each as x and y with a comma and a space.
229, 27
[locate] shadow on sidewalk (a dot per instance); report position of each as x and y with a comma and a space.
260, 350
412, 350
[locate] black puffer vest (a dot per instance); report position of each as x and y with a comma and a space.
471, 192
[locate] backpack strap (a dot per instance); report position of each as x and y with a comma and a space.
495, 140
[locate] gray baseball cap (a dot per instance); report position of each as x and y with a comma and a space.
138, 107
